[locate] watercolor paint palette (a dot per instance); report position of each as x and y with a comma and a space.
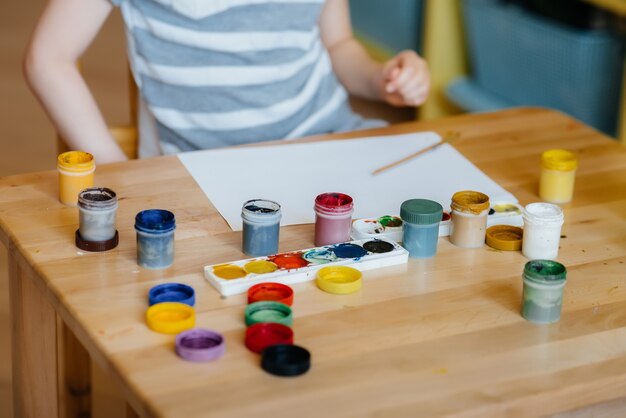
300, 266
390, 227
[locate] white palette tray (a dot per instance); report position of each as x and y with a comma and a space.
315, 258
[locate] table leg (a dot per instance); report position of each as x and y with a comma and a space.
74, 374
130, 412
34, 347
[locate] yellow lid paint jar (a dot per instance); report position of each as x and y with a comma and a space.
76, 170
558, 172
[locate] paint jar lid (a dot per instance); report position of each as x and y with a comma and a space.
96, 246
172, 292
97, 198
504, 237
200, 345
286, 360
559, 160
421, 211
276, 292
170, 317
262, 335
268, 311
339, 280
155, 220
546, 272
334, 203
468, 201
76, 161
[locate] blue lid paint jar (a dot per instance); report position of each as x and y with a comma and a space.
421, 218
544, 281
261, 227
155, 238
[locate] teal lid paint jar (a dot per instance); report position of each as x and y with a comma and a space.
543, 291
421, 218
261, 227
155, 238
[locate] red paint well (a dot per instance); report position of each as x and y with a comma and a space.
289, 261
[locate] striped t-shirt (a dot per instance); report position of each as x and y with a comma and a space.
216, 73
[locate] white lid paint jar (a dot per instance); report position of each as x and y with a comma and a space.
542, 231
261, 227
97, 211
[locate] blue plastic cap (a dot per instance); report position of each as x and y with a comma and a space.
172, 292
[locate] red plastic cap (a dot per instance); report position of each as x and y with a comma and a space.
266, 334
271, 292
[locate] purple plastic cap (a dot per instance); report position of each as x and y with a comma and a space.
200, 345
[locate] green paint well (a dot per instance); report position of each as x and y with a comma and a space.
389, 221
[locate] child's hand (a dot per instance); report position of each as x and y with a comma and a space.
405, 80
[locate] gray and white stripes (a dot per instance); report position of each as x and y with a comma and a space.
225, 72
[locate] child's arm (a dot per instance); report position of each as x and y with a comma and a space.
402, 81
64, 31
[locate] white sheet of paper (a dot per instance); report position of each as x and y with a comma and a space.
294, 174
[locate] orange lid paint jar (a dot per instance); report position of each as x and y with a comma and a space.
76, 170
469, 211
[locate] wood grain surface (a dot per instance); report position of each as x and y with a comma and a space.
437, 337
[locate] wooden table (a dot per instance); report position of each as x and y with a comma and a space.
439, 337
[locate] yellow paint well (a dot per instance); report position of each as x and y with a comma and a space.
260, 267
229, 272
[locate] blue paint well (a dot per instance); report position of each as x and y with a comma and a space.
349, 251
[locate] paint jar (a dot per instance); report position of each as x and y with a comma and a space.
96, 216
543, 291
542, 231
261, 226
76, 170
155, 238
421, 218
469, 212
333, 218
558, 173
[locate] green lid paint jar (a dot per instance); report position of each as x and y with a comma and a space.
543, 291
421, 218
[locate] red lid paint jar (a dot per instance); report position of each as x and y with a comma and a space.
333, 218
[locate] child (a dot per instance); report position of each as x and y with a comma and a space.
215, 73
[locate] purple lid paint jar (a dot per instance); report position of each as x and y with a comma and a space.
155, 238
333, 218
261, 227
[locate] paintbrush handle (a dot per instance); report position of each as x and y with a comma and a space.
405, 159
